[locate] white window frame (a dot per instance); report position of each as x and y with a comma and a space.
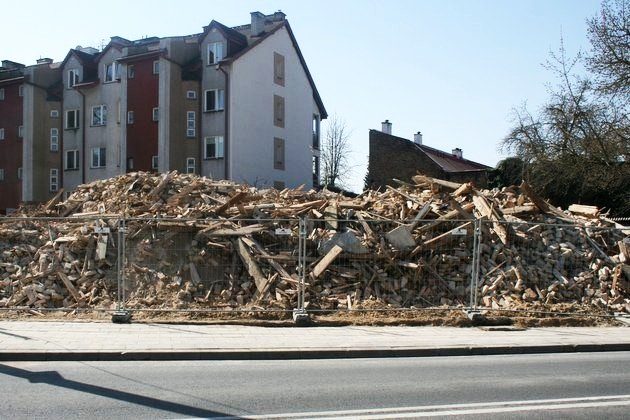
215, 52
20, 131
191, 130
111, 72
54, 139
155, 114
191, 94
1, 174
156, 67
191, 165
1, 133
219, 100
53, 180
21, 90
74, 77
101, 118
154, 162
76, 114
54, 113
19, 173
130, 117
131, 71
100, 153
75, 166
219, 147
1, 94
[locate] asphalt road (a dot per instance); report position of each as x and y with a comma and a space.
576, 385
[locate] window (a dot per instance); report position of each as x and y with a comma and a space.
54, 113
1, 174
129, 117
131, 71
215, 52
21, 131
73, 78
112, 72
315, 171
1, 133
154, 162
130, 163
2, 94
72, 160
278, 153
190, 165
99, 115
156, 114
54, 139
190, 124
278, 111
72, 118
54, 180
278, 185
156, 67
316, 132
213, 147
19, 174
215, 100
98, 157
278, 69
191, 94
21, 90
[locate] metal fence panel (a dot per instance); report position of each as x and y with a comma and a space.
58, 264
546, 264
359, 264
212, 265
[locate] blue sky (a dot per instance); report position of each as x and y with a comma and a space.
451, 69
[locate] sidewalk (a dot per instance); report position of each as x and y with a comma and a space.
22, 340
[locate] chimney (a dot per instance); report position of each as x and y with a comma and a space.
417, 138
457, 152
44, 60
386, 127
258, 23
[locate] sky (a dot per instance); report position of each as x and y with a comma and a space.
452, 69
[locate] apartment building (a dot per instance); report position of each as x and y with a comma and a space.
228, 103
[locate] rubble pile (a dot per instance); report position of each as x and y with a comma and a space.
192, 242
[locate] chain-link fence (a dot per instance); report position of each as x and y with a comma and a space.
277, 266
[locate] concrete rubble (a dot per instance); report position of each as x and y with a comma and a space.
192, 242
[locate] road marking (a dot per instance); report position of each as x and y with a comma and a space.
456, 409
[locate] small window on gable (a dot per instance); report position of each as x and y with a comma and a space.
215, 52
190, 124
1, 174
72, 160
54, 139
72, 119
190, 165
191, 94
19, 173
21, 131
54, 113
112, 72
154, 162
99, 115
213, 147
1, 94
54, 180
156, 67
279, 185
130, 117
278, 111
278, 69
98, 157
21, 90
155, 114
131, 71
1, 133
214, 100
73, 77
278, 153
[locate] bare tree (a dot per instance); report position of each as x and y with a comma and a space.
335, 153
609, 58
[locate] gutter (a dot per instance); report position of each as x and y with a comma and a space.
84, 163
226, 110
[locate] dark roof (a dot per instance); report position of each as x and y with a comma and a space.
445, 160
115, 42
227, 32
285, 24
84, 58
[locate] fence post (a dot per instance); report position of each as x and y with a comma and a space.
300, 316
121, 315
474, 275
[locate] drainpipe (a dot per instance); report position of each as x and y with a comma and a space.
84, 162
226, 110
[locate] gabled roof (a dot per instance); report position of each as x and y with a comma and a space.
115, 42
227, 32
445, 160
285, 24
84, 58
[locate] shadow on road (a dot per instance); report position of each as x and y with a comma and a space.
3, 331
55, 379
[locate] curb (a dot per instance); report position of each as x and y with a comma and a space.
49, 356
